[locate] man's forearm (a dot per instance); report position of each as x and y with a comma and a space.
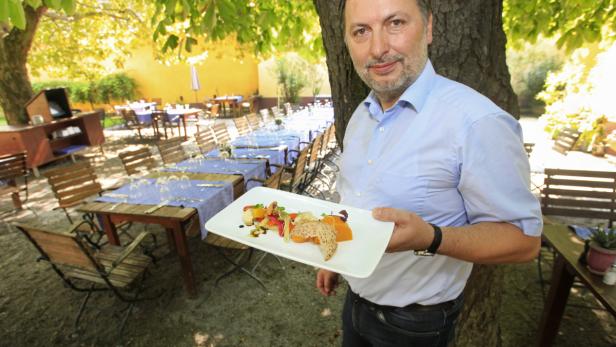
489, 243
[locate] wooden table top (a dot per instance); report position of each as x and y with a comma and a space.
570, 247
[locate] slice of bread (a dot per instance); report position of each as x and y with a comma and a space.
324, 232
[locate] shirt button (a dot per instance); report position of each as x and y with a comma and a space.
358, 193
370, 162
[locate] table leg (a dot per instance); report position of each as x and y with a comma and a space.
15, 196
560, 286
184, 123
170, 239
110, 229
185, 261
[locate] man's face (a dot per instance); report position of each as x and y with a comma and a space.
388, 43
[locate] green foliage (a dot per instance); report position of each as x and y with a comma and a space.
12, 12
264, 27
573, 22
114, 87
580, 94
118, 86
604, 237
529, 67
99, 36
291, 75
81, 92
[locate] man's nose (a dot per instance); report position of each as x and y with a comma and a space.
379, 44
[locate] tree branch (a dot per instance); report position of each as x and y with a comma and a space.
96, 12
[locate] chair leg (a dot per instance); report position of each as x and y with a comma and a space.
70, 220
238, 266
83, 307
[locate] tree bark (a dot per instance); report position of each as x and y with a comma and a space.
15, 86
469, 47
348, 90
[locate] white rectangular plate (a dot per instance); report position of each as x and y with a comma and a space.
356, 258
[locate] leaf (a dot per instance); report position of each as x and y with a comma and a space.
55, 4
189, 43
17, 14
209, 20
69, 6
4, 11
33, 3
171, 43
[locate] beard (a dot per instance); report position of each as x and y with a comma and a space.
412, 66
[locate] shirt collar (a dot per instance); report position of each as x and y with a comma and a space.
415, 95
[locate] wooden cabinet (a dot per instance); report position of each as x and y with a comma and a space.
43, 146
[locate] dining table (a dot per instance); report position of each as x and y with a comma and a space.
188, 200
568, 248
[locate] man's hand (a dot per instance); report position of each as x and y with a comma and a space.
411, 232
327, 282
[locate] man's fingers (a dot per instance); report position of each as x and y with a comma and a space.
388, 214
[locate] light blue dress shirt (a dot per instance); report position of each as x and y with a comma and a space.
447, 153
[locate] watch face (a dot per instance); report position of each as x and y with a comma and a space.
424, 253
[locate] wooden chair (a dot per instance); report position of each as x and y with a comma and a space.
13, 168
242, 126
578, 193
205, 141
566, 140
163, 119
171, 150
288, 109
276, 112
135, 161
73, 184
273, 181
296, 182
214, 111
265, 115
221, 134
114, 268
131, 121
253, 121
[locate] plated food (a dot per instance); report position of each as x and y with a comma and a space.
299, 227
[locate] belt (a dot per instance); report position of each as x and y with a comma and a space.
412, 307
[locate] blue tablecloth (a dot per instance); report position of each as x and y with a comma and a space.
246, 168
206, 200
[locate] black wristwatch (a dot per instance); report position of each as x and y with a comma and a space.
436, 242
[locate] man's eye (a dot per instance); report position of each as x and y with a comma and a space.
359, 32
397, 22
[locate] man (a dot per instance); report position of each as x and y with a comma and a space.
448, 165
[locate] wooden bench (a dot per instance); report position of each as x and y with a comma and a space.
565, 140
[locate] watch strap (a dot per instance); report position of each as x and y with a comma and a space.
436, 242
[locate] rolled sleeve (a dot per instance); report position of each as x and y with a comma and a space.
495, 175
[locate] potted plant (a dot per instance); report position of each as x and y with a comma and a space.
225, 150
602, 252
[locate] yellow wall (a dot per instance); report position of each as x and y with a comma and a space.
220, 76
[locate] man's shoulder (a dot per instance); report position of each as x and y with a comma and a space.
462, 100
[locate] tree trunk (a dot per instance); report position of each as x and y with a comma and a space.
348, 90
15, 86
469, 47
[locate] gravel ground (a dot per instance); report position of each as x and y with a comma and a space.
37, 310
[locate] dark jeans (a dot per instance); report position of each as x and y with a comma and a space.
368, 324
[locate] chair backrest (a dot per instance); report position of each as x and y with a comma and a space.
158, 101
253, 121
528, 147
299, 167
214, 110
171, 150
221, 134
130, 117
73, 184
579, 193
315, 149
133, 161
566, 140
265, 115
276, 112
241, 124
205, 140
274, 180
13, 166
61, 248
288, 109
